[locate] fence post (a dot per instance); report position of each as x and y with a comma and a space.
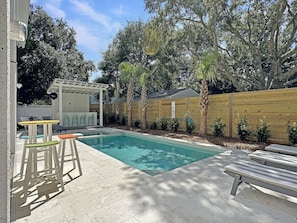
160, 110
230, 115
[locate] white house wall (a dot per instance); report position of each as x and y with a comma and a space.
75, 102
71, 103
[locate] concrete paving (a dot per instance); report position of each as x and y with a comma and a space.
109, 191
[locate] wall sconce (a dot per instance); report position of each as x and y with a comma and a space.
18, 31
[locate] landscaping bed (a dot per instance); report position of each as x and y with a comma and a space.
195, 137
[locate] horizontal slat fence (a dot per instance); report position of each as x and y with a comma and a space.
277, 106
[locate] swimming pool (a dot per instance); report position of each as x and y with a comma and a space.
93, 132
148, 153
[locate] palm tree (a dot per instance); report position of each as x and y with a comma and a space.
143, 101
129, 73
117, 98
205, 73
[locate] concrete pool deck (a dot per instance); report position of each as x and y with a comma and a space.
110, 191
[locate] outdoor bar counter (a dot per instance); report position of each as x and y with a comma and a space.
79, 119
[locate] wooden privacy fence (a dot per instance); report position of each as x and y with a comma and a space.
277, 106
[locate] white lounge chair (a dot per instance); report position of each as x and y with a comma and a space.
280, 180
275, 159
277, 148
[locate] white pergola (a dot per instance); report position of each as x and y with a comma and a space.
61, 86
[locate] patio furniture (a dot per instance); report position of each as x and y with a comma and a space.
73, 151
275, 159
24, 158
37, 173
277, 179
290, 150
48, 147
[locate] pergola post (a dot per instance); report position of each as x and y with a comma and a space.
101, 108
60, 97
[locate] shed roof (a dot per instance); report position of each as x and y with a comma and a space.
76, 87
173, 93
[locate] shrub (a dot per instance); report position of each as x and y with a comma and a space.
137, 123
262, 132
111, 118
122, 120
164, 124
218, 128
174, 124
242, 129
153, 125
190, 126
292, 132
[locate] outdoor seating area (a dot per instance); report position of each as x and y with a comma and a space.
199, 192
52, 158
274, 170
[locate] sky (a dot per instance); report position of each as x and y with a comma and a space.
96, 22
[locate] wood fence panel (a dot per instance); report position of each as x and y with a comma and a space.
218, 108
152, 111
165, 111
194, 112
277, 106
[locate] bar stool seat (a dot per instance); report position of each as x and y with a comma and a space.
73, 151
33, 171
24, 159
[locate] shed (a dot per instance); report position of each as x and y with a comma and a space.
72, 106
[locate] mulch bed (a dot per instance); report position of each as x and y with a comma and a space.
195, 137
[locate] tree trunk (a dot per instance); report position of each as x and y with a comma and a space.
117, 99
130, 96
107, 107
143, 106
203, 107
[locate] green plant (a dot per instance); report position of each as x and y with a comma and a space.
111, 118
292, 132
190, 126
122, 120
153, 125
242, 129
262, 132
164, 124
218, 128
137, 123
174, 124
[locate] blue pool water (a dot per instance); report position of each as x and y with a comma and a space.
147, 154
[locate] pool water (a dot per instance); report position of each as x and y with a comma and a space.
147, 154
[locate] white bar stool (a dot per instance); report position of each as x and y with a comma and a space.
74, 153
33, 174
24, 158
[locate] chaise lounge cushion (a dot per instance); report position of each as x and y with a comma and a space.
275, 159
290, 150
280, 180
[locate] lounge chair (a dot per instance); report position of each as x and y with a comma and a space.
275, 159
277, 148
280, 180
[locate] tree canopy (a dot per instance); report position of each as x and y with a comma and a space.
255, 40
50, 52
